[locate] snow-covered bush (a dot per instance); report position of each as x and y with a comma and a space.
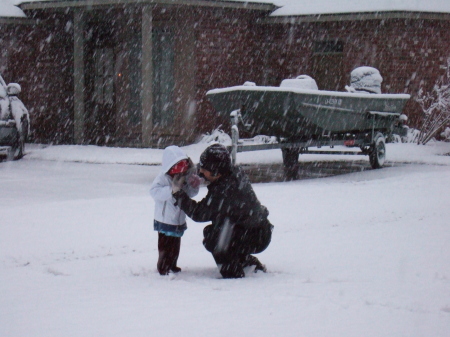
261, 139
216, 136
446, 134
219, 136
436, 106
401, 133
412, 136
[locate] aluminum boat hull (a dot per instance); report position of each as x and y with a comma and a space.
301, 114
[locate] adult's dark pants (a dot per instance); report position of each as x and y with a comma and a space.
169, 250
231, 246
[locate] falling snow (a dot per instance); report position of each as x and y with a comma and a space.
364, 253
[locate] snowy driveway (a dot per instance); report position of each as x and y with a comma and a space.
362, 254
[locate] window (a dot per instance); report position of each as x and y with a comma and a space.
328, 65
163, 77
104, 76
328, 47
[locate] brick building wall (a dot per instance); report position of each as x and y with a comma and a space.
409, 53
229, 51
43, 65
224, 47
231, 46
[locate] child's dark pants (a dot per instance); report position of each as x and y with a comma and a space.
169, 250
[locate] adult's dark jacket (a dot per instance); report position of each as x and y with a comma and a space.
230, 200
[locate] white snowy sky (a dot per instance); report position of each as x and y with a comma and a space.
307, 7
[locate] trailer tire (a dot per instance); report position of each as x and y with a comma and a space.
290, 161
377, 155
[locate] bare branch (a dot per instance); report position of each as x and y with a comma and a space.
436, 107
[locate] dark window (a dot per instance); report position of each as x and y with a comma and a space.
163, 76
328, 47
328, 65
104, 76
135, 78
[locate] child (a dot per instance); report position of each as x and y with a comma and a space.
170, 220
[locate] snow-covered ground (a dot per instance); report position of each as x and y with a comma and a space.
362, 254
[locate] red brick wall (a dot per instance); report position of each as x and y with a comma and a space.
225, 41
231, 47
228, 53
43, 65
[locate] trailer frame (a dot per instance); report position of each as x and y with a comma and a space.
371, 143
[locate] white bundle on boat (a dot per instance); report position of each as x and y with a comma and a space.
301, 82
365, 79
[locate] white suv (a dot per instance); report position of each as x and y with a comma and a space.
14, 121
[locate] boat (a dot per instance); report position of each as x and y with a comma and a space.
297, 114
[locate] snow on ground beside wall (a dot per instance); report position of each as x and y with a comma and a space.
361, 254
395, 152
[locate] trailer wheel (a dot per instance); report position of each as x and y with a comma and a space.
377, 154
290, 161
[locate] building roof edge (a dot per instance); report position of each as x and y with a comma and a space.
30, 5
382, 15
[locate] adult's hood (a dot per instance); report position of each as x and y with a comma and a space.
172, 155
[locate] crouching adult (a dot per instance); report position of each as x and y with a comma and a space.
239, 222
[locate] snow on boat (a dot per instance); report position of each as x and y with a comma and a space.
295, 114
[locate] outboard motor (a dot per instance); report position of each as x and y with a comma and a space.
365, 79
